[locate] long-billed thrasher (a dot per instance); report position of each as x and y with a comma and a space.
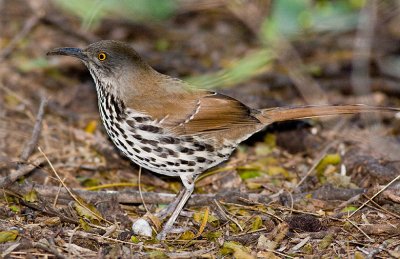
169, 127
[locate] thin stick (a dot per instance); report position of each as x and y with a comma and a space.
30, 146
376, 194
14, 176
357, 227
227, 216
316, 163
28, 26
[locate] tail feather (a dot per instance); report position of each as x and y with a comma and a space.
292, 113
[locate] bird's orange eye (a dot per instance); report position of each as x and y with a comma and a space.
102, 56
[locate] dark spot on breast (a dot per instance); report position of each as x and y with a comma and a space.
153, 142
146, 149
152, 159
209, 148
112, 129
121, 143
184, 162
171, 152
118, 106
136, 150
163, 155
130, 143
190, 170
138, 137
150, 128
141, 119
170, 163
158, 149
184, 150
146, 159
105, 114
189, 139
155, 165
221, 155
200, 159
169, 140
119, 128
191, 163
199, 147
131, 123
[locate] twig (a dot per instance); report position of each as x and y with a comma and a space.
376, 194
48, 248
357, 227
24, 170
315, 164
380, 208
30, 146
28, 26
227, 216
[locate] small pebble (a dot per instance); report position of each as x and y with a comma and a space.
142, 227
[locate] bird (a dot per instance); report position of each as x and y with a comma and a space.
170, 127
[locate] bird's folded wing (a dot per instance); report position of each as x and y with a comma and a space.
200, 113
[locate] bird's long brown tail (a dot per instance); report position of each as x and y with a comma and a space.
292, 113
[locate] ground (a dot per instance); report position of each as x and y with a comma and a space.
313, 188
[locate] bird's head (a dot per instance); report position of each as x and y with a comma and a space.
111, 63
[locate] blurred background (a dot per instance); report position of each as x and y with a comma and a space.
266, 53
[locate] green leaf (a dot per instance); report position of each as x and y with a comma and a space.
212, 236
15, 208
239, 251
187, 235
31, 196
135, 239
257, 223
88, 212
84, 225
248, 174
325, 242
329, 159
349, 209
88, 182
9, 235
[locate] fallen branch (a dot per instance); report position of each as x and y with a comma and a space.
131, 196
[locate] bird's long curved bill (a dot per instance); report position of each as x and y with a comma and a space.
73, 52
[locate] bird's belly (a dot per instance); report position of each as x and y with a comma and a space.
147, 144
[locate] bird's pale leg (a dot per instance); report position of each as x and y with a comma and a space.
188, 182
171, 207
